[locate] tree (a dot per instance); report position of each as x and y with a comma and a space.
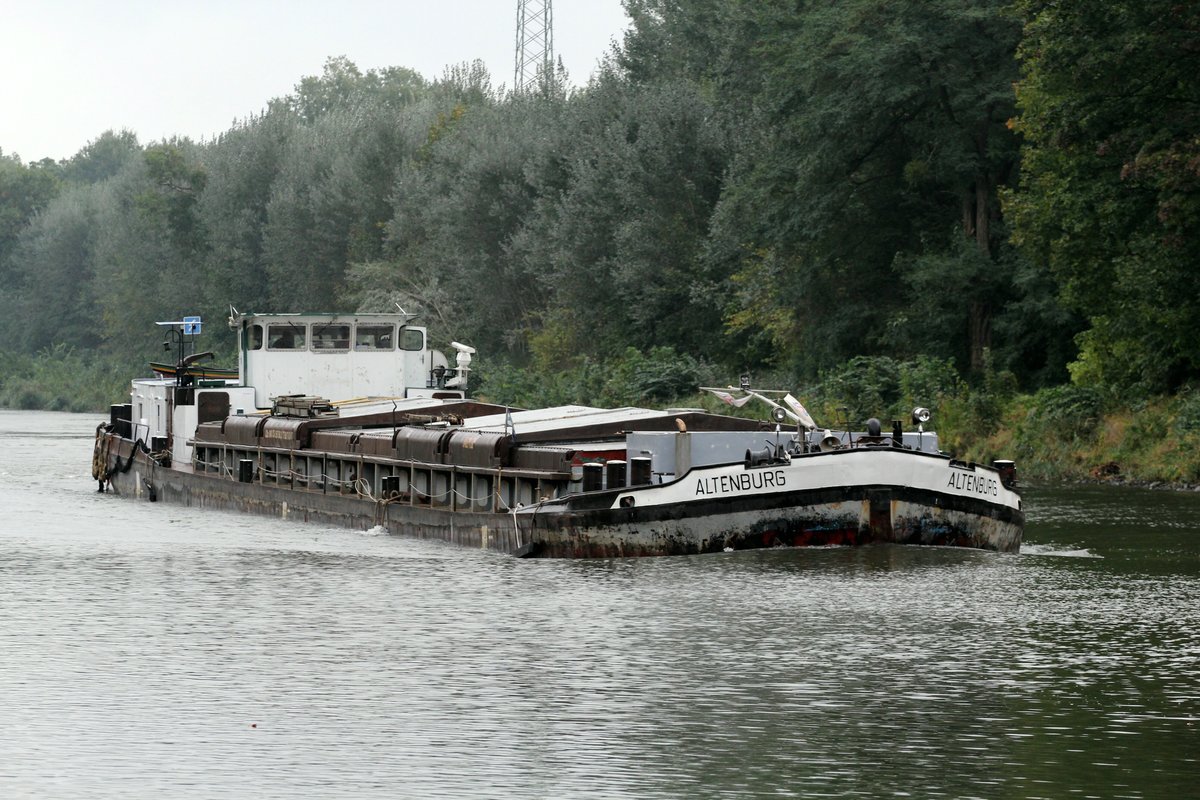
102, 158
880, 128
53, 266
1109, 200
149, 244
330, 201
342, 85
24, 192
619, 243
329, 198
241, 167
461, 199
672, 40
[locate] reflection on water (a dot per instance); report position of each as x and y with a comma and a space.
149, 649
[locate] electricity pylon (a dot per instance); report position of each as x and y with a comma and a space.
535, 43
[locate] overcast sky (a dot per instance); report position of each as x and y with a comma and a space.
72, 69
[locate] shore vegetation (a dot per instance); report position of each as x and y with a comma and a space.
988, 207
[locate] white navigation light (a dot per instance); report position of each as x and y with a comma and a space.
463, 363
463, 359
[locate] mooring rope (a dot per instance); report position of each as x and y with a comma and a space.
103, 448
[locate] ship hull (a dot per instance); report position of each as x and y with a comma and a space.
840, 516
132, 473
849, 498
858, 498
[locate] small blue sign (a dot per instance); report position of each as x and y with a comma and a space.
191, 326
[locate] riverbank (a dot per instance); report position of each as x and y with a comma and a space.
62, 378
1072, 434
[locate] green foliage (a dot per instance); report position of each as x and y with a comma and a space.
1069, 411
102, 158
862, 388
926, 381
882, 387
756, 309
1030, 331
176, 183
341, 85
745, 185
616, 233
876, 128
1109, 200
1187, 415
241, 166
458, 204
53, 292
634, 378
657, 376
24, 191
62, 378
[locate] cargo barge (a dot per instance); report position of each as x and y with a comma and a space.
409, 452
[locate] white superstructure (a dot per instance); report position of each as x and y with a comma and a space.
341, 356
358, 358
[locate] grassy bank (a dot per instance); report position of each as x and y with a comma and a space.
1062, 433
1068, 433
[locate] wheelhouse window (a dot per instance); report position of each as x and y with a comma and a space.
331, 336
374, 336
287, 336
254, 337
412, 339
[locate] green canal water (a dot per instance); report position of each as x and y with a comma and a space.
149, 650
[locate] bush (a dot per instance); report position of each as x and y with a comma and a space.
926, 381
1187, 414
633, 378
62, 379
877, 386
1067, 410
659, 376
866, 386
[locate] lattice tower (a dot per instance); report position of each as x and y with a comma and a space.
535, 42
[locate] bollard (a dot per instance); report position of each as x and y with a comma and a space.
615, 474
639, 471
593, 477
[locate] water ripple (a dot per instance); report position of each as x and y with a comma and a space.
148, 650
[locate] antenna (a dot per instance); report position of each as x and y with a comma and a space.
535, 43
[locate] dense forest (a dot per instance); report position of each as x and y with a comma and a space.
869, 200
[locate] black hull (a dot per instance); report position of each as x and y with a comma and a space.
841, 516
146, 480
587, 526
